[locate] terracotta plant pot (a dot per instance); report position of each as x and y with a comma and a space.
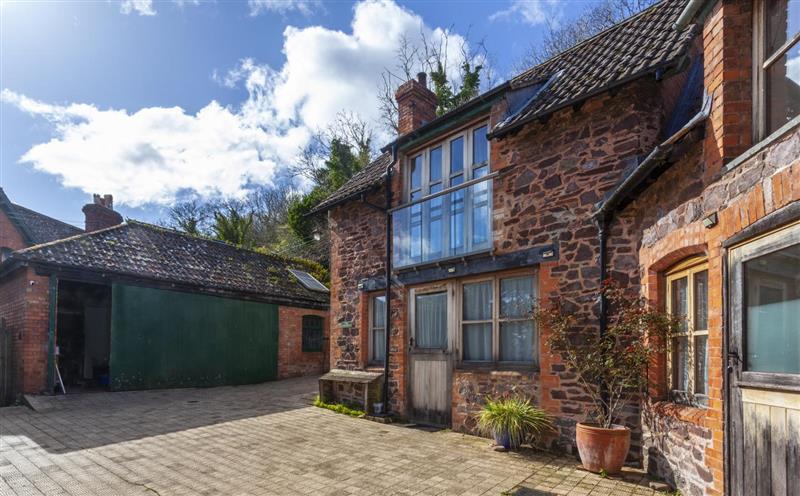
602, 449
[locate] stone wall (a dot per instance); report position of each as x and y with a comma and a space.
292, 360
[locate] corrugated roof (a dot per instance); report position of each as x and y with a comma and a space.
140, 250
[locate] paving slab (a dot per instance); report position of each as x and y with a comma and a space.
262, 439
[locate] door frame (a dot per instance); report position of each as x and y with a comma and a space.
448, 288
765, 238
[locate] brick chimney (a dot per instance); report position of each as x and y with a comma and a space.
100, 214
416, 104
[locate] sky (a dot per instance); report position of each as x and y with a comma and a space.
161, 101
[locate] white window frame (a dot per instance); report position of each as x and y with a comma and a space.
373, 326
496, 319
687, 269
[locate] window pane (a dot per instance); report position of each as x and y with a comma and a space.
517, 341
436, 165
378, 311
680, 364
312, 335
783, 89
772, 300
415, 249
783, 21
416, 172
456, 155
478, 342
680, 300
477, 304
431, 320
378, 345
516, 297
457, 222
701, 364
480, 146
480, 214
701, 301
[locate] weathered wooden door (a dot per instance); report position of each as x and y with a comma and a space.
764, 365
430, 356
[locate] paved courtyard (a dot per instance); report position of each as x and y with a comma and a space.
258, 440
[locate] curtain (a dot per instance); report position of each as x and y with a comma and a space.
478, 301
478, 342
518, 341
378, 328
431, 320
516, 297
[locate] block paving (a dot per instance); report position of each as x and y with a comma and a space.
259, 440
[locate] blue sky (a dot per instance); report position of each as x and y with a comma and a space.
154, 101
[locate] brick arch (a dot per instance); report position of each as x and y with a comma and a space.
677, 255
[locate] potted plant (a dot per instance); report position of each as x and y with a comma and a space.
612, 368
511, 421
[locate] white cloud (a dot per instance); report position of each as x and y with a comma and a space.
531, 12
154, 155
305, 7
141, 7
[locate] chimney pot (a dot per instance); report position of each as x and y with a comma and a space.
422, 78
100, 213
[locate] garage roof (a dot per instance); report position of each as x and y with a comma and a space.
139, 250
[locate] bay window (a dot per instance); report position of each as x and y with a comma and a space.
445, 217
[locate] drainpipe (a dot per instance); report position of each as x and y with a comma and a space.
602, 226
387, 327
602, 234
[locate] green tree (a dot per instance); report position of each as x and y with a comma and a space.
233, 226
446, 97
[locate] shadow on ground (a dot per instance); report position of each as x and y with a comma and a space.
89, 420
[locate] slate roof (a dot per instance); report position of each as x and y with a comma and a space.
140, 250
364, 180
640, 45
36, 228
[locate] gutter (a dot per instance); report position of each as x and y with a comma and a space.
688, 14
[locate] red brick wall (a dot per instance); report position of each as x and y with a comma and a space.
9, 236
24, 304
292, 360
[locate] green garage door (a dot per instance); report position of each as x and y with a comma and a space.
165, 339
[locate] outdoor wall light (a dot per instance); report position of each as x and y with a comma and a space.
710, 221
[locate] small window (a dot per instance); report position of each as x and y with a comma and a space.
377, 329
308, 281
776, 71
312, 333
687, 299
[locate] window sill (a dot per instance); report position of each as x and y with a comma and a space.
764, 143
495, 367
695, 415
374, 367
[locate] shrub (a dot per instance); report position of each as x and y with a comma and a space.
513, 417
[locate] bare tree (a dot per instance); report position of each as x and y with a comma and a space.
432, 56
560, 37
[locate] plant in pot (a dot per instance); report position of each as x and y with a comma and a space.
512, 420
611, 368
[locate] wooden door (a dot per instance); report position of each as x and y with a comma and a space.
430, 356
764, 365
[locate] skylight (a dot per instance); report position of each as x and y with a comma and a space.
308, 281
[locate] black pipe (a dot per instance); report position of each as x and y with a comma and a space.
602, 226
388, 326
